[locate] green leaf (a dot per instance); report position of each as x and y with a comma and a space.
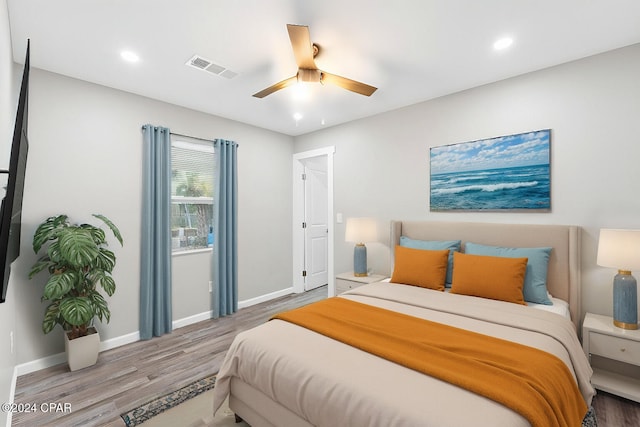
77, 247
108, 284
98, 234
59, 285
112, 226
48, 230
105, 260
100, 307
51, 317
54, 252
105, 280
40, 265
76, 311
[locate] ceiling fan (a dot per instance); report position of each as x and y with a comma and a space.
304, 52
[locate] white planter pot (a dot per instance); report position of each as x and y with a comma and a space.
83, 351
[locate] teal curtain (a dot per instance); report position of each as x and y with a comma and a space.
224, 297
155, 264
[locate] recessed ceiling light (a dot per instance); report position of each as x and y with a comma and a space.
503, 43
297, 116
129, 56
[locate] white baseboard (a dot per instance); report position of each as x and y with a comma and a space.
45, 362
180, 323
119, 341
56, 359
264, 298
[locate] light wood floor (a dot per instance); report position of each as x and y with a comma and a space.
128, 376
614, 411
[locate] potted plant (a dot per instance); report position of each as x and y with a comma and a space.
79, 263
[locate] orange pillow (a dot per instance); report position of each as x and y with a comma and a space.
420, 267
492, 277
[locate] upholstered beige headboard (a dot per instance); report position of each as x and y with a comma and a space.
563, 280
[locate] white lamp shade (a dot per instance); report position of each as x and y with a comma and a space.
361, 230
619, 249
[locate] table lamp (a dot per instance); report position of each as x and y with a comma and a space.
621, 249
359, 231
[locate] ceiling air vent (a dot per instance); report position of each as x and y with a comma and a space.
204, 64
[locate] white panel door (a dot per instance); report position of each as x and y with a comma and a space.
316, 221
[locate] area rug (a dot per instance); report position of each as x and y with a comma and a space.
154, 407
590, 420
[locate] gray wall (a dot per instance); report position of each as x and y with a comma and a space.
8, 89
592, 107
85, 157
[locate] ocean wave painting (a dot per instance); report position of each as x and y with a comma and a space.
504, 173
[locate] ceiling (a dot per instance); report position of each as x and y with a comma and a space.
413, 51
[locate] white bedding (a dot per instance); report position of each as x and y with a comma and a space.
559, 306
310, 373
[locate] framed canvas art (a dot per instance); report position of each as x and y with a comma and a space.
505, 173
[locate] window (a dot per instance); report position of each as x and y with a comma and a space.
192, 186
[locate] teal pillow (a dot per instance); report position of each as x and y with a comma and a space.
535, 279
435, 245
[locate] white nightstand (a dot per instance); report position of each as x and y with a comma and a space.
601, 338
347, 281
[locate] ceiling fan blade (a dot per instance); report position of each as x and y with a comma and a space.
302, 47
345, 83
276, 87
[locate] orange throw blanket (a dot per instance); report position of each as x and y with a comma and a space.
536, 384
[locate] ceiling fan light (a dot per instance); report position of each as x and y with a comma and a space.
300, 92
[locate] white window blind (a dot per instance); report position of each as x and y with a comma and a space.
192, 193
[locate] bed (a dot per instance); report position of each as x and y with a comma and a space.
281, 374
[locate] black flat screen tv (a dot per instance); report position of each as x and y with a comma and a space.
11, 209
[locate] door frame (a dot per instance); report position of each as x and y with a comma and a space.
298, 218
